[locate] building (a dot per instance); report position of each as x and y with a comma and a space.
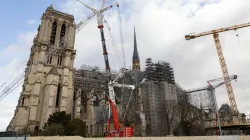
225, 113
48, 83
92, 83
248, 119
158, 95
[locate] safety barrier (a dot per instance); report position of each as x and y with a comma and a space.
147, 138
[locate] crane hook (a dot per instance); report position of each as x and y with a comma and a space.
237, 35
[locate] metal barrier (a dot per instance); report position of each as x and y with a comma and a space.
147, 138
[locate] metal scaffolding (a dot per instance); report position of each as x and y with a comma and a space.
89, 78
158, 91
160, 71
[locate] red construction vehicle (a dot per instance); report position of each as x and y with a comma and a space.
117, 132
128, 131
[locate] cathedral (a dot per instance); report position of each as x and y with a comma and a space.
48, 83
51, 84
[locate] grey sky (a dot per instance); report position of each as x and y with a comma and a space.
161, 27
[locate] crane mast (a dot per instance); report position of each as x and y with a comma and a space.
223, 65
114, 83
99, 14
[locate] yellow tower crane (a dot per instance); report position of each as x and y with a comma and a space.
223, 65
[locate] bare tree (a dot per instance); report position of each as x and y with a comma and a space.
168, 113
190, 120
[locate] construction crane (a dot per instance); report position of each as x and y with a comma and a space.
212, 88
223, 65
99, 14
114, 83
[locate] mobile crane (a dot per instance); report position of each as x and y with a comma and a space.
114, 83
117, 132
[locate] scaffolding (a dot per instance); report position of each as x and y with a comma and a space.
159, 71
89, 78
158, 90
203, 100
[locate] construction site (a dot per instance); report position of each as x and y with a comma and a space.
128, 102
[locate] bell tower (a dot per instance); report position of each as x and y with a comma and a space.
48, 82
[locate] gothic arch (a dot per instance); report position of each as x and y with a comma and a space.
36, 130
62, 34
59, 59
53, 33
49, 59
58, 94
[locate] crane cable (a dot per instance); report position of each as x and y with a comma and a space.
121, 35
1, 86
126, 109
117, 54
15, 83
237, 36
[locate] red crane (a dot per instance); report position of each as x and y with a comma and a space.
114, 83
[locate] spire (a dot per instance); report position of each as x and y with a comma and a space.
136, 58
135, 54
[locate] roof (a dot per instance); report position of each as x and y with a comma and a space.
51, 8
225, 108
132, 77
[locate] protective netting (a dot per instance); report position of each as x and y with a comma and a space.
202, 99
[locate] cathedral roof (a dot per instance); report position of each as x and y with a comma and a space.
225, 108
133, 77
53, 71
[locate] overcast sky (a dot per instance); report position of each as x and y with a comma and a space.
160, 26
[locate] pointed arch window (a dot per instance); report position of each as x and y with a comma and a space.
58, 94
59, 60
49, 60
53, 33
62, 35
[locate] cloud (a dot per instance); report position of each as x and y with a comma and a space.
161, 27
31, 22
12, 63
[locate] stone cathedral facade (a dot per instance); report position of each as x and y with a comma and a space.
48, 83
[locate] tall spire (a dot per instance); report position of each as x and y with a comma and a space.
136, 58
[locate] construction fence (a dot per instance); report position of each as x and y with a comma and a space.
147, 138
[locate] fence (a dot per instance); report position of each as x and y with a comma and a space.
146, 138
16, 138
